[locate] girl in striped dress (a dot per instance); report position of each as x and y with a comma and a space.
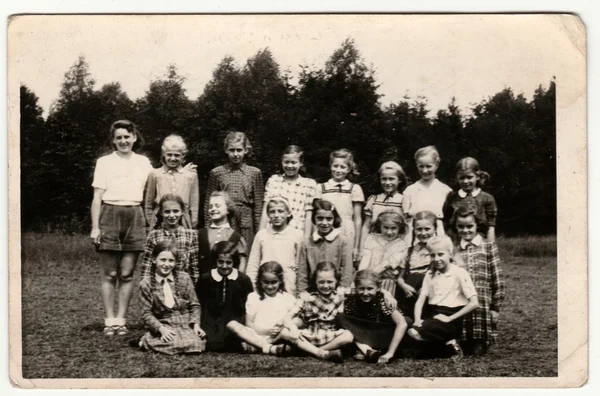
480, 258
170, 308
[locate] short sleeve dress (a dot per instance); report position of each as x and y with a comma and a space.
343, 196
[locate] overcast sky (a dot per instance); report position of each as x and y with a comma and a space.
469, 57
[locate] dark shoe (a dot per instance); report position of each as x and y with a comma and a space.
134, 343
479, 349
334, 356
372, 355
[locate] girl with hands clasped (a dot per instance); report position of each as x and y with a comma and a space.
170, 308
450, 295
480, 258
347, 197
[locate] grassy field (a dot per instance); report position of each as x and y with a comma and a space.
62, 325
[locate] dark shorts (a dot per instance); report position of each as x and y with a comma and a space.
122, 228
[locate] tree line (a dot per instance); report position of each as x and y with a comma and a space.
331, 107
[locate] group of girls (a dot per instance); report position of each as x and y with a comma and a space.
295, 264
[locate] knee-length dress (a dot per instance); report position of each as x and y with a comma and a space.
343, 196
480, 258
180, 317
223, 299
319, 313
244, 184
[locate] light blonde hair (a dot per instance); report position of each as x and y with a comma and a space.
394, 166
428, 150
238, 137
174, 143
442, 241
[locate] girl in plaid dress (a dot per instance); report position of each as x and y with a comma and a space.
385, 250
169, 228
311, 323
243, 183
480, 258
170, 308
299, 191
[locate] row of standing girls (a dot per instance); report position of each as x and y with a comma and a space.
118, 220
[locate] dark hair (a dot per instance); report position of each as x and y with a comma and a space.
163, 199
293, 149
324, 266
225, 247
270, 267
321, 204
131, 128
392, 216
367, 274
471, 164
165, 245
466, 211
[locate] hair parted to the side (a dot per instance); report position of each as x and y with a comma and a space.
465, 211
470, 164
161, 202
442, 241
429, 150
270, 267
165, 245
173, 143
324, 266
131, 128
279, 199
367, 274
348, 156
238, 137
225, 247
394, 166
293, 149
394, 217
231, 210
322, 204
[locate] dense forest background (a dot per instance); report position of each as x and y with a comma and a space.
327, 108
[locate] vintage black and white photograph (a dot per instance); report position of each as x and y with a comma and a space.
295, 196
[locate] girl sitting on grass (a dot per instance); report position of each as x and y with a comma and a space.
373, 323
170, 308
265, 310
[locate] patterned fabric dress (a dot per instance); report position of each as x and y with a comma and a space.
299, 193
343, 196
319, 313
370, 322
185, 240
481, 260
244, 184
180, 317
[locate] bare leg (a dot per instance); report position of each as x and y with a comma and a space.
126, 268
363, 347
249, 336
343, 339
109, 263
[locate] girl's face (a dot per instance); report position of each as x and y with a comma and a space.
466, 227
291, 165
427, 167
326, 282
270, 283
424, 230
278, 215
367, 289
165, 262
467, 180
339, 169
173, 159
217, 209
236, 152
389, 230
440, 257
171, 213
224, 264
389, 181
324, 221
124, 140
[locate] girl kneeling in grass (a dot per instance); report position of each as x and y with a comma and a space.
374, 324
265, 310
170, 308
450, 294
